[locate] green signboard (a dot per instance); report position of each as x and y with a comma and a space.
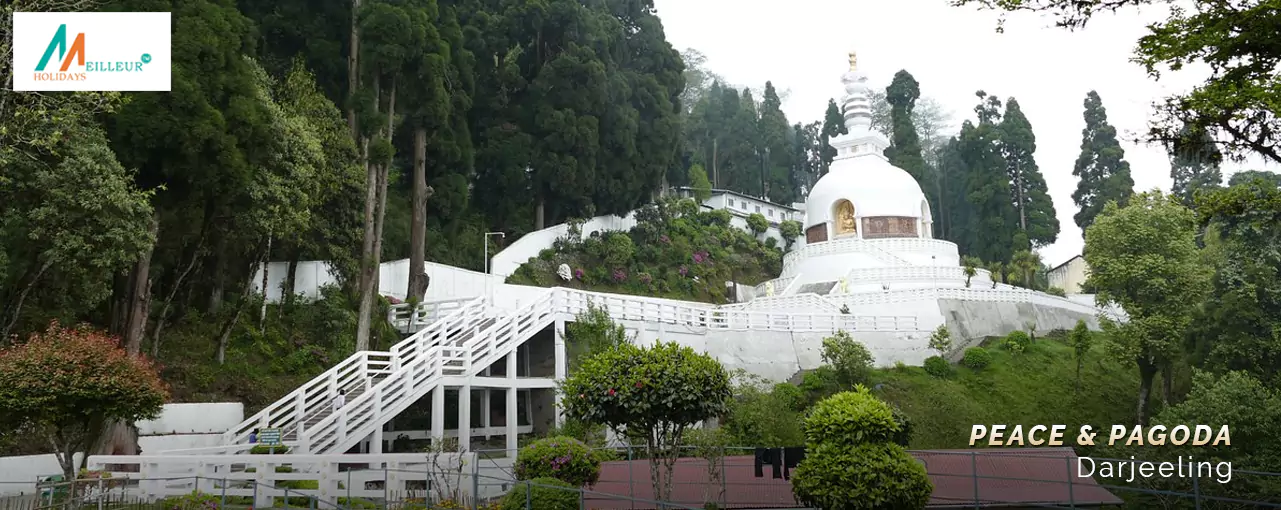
269, 436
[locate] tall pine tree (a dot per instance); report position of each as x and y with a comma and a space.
833, 126
1101, 168
1031, 196
905, 145
991, 219
1194, 164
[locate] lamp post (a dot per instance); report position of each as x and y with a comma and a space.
488, 290
935, 274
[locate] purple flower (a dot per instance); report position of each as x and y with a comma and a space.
578, 273
665, 239
701, 257
619, 275
684, 270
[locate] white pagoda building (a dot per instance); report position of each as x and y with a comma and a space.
868, 249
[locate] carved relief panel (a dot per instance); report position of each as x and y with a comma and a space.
816, 233
889, 226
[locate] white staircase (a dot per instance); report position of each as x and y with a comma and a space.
418, 368
312, 403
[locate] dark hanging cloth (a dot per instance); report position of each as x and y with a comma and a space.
763, 457
776, 456
791, 458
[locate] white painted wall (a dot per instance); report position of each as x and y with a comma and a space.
393, 280
179, 426
212, 418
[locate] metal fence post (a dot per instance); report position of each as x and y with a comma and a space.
386, 488
1071, 494
255, 492
348, 505
475, 481
222, 503
102, 495
582, 499
529, 493
724, 487
1196, 490
974, 472
631, 478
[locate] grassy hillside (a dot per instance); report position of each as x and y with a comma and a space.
675, 252
1034, 387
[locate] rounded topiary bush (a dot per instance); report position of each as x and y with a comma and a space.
878, 475
977, 358
563, 458
851, 418
1017, 341
542, 494
937, 366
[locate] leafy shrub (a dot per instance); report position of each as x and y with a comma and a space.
1055, 291
866, 476
1017, 341
757, 223
977, 358
941, 340
542, 494
763, 418
938, 367
904, 435
264, 449
852, 417
194, 501
850, 360
563, 458
852, 460
819, 384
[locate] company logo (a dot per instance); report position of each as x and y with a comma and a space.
76, 53
66, 51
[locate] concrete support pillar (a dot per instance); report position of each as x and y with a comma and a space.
488, 414
512, 414
376, 441
438, 413
464, 418
562, 367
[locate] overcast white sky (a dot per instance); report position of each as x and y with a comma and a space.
801, 46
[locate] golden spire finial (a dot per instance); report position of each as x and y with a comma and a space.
853, 61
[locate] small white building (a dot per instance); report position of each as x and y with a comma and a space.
742, 205
1070, 275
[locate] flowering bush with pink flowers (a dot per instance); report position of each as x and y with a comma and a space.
563, 458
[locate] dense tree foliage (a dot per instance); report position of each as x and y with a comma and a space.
1103, 173
1237, 101
1143, 258
64, 385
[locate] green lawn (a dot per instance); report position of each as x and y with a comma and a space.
1034, 387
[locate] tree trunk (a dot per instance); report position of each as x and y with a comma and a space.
224, 336
220, 276
140, 295
22, 296
418, 226
173, 292
291, 278
353, 69
539, 211
262, 313
369, 258
119, 437
1147, 372
1018, 181
716, 181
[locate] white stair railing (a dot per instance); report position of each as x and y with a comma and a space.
418, 370
292, 410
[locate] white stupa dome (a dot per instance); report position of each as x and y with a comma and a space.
860, 174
